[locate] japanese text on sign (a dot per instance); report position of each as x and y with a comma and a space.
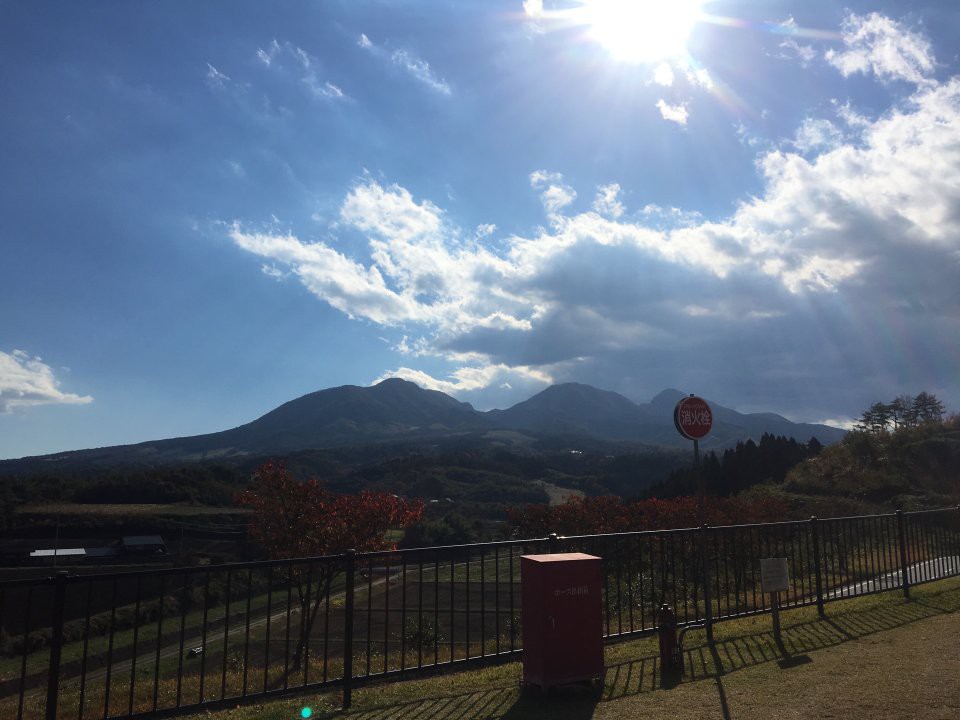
696, 417
573, 591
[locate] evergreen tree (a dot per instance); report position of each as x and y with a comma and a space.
927, 408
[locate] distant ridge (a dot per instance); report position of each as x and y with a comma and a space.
396, 409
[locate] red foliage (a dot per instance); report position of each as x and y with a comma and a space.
607, 514
302, 519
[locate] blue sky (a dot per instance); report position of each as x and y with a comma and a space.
207, 209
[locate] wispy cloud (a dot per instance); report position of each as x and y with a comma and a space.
421, 70
215, 78
416, 67
287, 58
791, 48
27, 381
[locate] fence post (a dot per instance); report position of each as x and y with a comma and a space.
815, 534
901, 538
553, 543
56, 643
350, 557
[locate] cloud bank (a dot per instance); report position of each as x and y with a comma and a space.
842, 272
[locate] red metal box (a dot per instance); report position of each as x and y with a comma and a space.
562, 623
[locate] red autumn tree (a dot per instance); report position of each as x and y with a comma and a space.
303, 519
297, 519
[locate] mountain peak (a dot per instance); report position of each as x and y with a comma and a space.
670, 396
394, 382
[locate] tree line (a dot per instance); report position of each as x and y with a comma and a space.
901, 412
741, 467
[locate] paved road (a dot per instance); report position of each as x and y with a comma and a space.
916, 573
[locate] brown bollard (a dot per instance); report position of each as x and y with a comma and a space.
667, 631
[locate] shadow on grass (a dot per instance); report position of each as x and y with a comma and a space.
643, 675
744, 651
508, 702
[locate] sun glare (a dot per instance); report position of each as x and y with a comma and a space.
641, 30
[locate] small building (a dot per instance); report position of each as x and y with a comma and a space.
142, 545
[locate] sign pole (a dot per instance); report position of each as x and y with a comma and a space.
702, 512
774, 580
693, 419
701, 491
775, 609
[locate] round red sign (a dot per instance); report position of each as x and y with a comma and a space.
693, 418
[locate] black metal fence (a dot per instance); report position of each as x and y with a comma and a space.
164, 642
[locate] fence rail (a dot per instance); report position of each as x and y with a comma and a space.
164, 642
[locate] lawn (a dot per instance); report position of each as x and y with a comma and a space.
875, 656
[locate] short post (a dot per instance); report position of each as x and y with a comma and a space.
350, 557
902, 541
553, 543
56, 643
815, 534
775, 611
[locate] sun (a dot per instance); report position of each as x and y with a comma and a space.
641, 31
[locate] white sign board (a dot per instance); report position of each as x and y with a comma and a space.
773, 575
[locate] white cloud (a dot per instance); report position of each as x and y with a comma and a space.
607, 202
878, 44
485, 230
420, 69
817, 134
663, 75
469, 379
364, 42
554, 193
27, 381
674, 113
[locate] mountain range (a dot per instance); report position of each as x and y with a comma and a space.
398, 410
